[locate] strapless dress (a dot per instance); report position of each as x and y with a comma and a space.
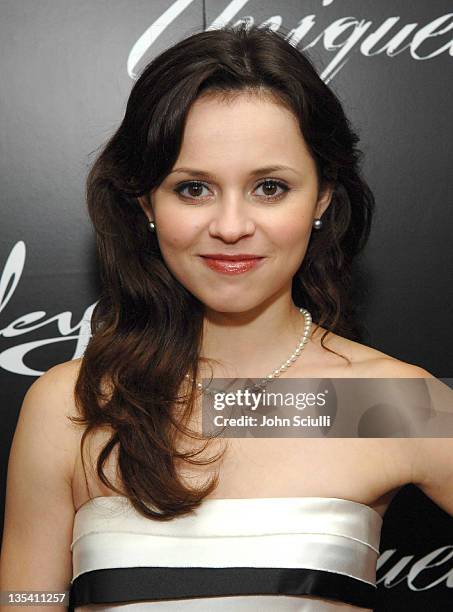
301, 554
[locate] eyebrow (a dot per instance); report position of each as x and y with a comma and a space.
264, 170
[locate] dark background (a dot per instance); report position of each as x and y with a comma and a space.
64, 87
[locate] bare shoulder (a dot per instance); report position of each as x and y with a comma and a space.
390, 367
426, 462
365, 360
61, 377
39, 508
53, 395
429, 460
60, 380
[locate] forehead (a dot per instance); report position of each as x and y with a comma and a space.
244, 126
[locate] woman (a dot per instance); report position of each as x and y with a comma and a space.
231, 148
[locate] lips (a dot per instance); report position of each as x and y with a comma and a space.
232, 264
227, 257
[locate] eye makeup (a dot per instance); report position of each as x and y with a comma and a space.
268, 182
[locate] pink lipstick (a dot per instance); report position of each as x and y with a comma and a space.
232, 264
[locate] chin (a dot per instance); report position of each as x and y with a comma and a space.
230, 305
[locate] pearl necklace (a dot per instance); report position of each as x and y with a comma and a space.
285, 365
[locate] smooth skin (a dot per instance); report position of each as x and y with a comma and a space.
251, 326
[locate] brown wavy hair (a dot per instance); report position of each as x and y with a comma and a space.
147, 327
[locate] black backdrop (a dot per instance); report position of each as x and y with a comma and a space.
67, 67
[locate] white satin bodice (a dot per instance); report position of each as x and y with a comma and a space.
258, 554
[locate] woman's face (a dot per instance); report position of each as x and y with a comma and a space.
223, 196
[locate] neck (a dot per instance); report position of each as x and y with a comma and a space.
253, 343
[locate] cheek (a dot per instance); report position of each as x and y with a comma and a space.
293, 236
176, 235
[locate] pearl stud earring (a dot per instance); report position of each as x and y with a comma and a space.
317, 224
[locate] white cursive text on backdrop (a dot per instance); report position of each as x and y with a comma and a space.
413, 575
12, 359
351, 30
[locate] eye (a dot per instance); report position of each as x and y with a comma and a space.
195, 187
272, 184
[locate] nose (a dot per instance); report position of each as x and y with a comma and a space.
231, 219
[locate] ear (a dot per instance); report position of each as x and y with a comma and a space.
325, 196
145, 205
